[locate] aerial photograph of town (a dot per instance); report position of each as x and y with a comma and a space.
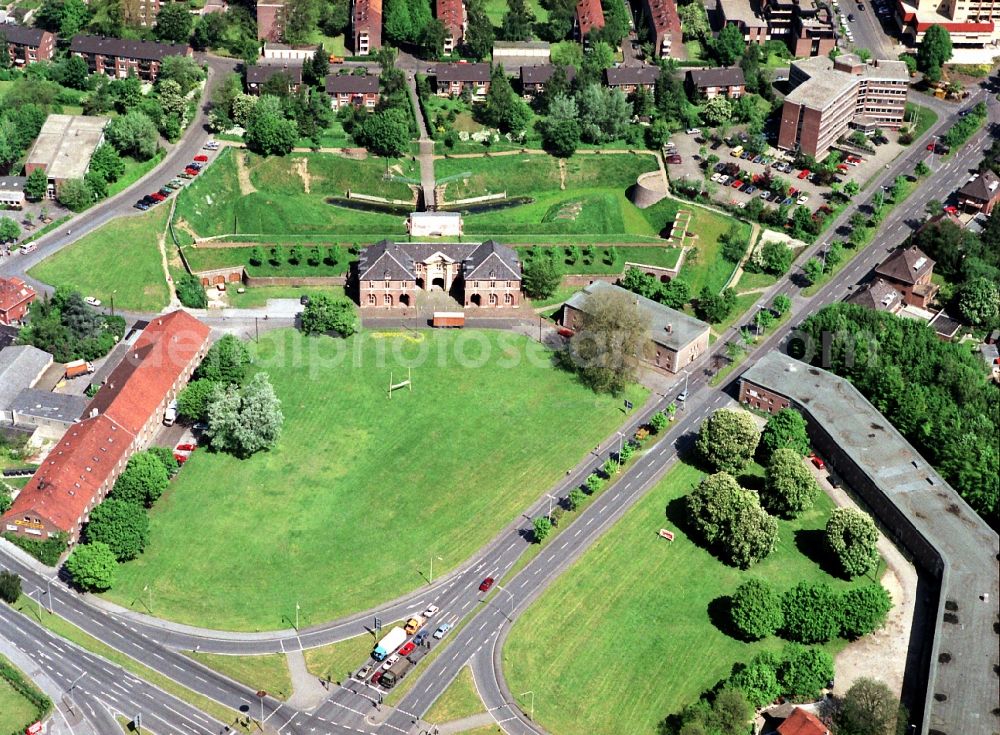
499, 367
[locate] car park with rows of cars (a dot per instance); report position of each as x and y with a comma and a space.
190, 171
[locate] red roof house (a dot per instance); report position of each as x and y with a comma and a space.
15, 298
801, 722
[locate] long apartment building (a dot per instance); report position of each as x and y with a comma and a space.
366, 26
665, 26
973, 24
452, 15
829, 97
27, 45
270, 21
119, 57
589, 16
807, 27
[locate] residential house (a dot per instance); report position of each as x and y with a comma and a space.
259, 74
665, 27
675, 339
589, 16
452, 78
991, 359
15, 298
452, 15
358, 90
366, 26
120, 58
879, 295
27, 45
802, 722
910, 272
629, 78
981, 194
708, 83
476, 274
141, 13
534, 78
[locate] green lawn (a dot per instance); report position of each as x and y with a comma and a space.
134, 170
749, 281
214, 205
207, 258
15, 710
122, 257
459, 700
634, 616
495, 9
925, 117
610, 259
269, 672
258, 295
344, 512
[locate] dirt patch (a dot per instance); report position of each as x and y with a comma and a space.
181, 224
301, 167
243, 175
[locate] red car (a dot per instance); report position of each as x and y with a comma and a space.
485, 585
157, 196
185, 447
406, 649
819, 463
191, 171
737, 184
930, 146
565, 332
201, 158
951, 210
804, 174
377, 676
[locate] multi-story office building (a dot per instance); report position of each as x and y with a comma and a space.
972, 24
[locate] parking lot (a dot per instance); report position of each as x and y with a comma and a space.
191, 170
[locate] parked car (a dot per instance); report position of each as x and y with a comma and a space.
166, 192
951, 210
485, 585
141, 205
765, 195
817, 461
192, 172
804, 173
201, 158
719, 167
363, 672
737, 184
419, 638
724, 180
442, 630
674, 159
157, 196
693, 131
377, 676
185, 175
802, 199
93, 301
390, 661
682, 396
787, 201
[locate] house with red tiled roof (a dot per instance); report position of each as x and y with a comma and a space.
802, 722
589, 17
15, 298
451, 13
121, 419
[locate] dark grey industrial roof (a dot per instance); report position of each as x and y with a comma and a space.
144, 50
683, 329
20, 367
394, 261
722, 76
65, 407
260, 73
542, 73
968, 547
456, 72
22, 35
626, 75
352, 84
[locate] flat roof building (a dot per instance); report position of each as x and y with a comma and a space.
972, 24
830, 96
64, 146
21, 366
922, 513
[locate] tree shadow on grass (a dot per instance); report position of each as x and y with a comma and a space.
677, 514
751, 482
811, 543
720, 613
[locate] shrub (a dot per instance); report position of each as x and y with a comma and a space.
804, 672
756, 609
729, 518
47, 551
728, 439
864, 609
190, 292
811, 612
853, 538
789, 487
143, 481
758, 680
123, 526
92, 567
10, 587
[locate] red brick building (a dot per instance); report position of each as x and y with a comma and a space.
910, 272
476, 274
15, 298
140, 13
270, 21
709, 83
452, 14
534, 78
27, 45
981, 194
119, 58
121, 420
589, 17
665, 25
450, 79
629, 78
366, 26
358, 90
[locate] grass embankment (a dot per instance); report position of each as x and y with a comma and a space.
135, 170
338, 661
269, 672
121, 258
16, 710
638, 617
459, 700
923, 118
354, 471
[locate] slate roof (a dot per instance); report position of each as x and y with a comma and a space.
352, 84
455, 72
683, 329
12, 183
905, 266
22, 35
143, 50
64, 407
392, 261
260, 73
626, 75
983, 188
20, 367
880, 295
723, 76
543, 73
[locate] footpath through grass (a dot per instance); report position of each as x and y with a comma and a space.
120, 258
361, 490
636, 618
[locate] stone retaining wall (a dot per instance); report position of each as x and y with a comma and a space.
252, 281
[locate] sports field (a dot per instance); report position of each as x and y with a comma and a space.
633, 619
361, 490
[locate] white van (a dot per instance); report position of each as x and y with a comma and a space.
170, 415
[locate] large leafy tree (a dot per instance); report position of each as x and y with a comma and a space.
107, 163
479, 35
247, 420
92, 567
225, 362
811, 612
386, 133
74, 194
785, 429
174, 22
611, 342
502, 108
517, 22
268, 131
869, 708
133, 134
561, 127
192, 402
540, 277
933, 51
143, 480
728, 439
36, 185
605, 114
789, 487
864, 610
758, 680
123, 526
804, 671
979, 302
9, 229
853, 538
728, 46
730, 520
756, 609
324, 314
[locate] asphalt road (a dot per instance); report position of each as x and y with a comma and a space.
485, 622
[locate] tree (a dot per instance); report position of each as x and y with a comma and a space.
173, 22
517, 22
561, 128
785, 429
776, 258
386, 133
934, 50
813, 270
37, 184
192, 402
811, 612
10, 587
921, 169
730, 519
243, 421
432, 38
107, 163
781, 304
716, 110
658, 422
853, 537
73, 16
301, 17
143, 480
728, 439
728, 45
694, 21
225, 362
540, 278
74, 194
758, 680
181, 69
542, 528
503, 109
756, 609
268, 131
789, 487
9, 229
864, 610
576, 498
165, 456
868, 708
804, 672
714, 307
979, 302
324, 314
190, 292
133, 134
74, 72
613, 337
92, 567
604, 113
209, 31
479, 35
123, 526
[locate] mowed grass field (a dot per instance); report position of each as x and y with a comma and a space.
121, 257
214, 204
361, 490
632, 619
15, 710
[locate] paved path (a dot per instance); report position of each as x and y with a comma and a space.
307, 692
483, 719
426, 156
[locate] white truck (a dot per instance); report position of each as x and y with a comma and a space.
393, 640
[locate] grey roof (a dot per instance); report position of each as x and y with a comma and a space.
12, 183
143, 50
723, 76
258, 74
20, 367
823, 85
65, 407
990, 354
65, 144
626, 75
352, 84
394, 261
683, 329
966, 545
456, 72
879, 295
22, 35
982, 188
542, 73
906, 265
520, 46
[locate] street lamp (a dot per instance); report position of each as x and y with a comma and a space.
761, 307
551, 498
532, 693
113, 301
296, 616
621, 446
260, 695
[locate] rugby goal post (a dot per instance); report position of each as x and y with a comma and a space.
408, 383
